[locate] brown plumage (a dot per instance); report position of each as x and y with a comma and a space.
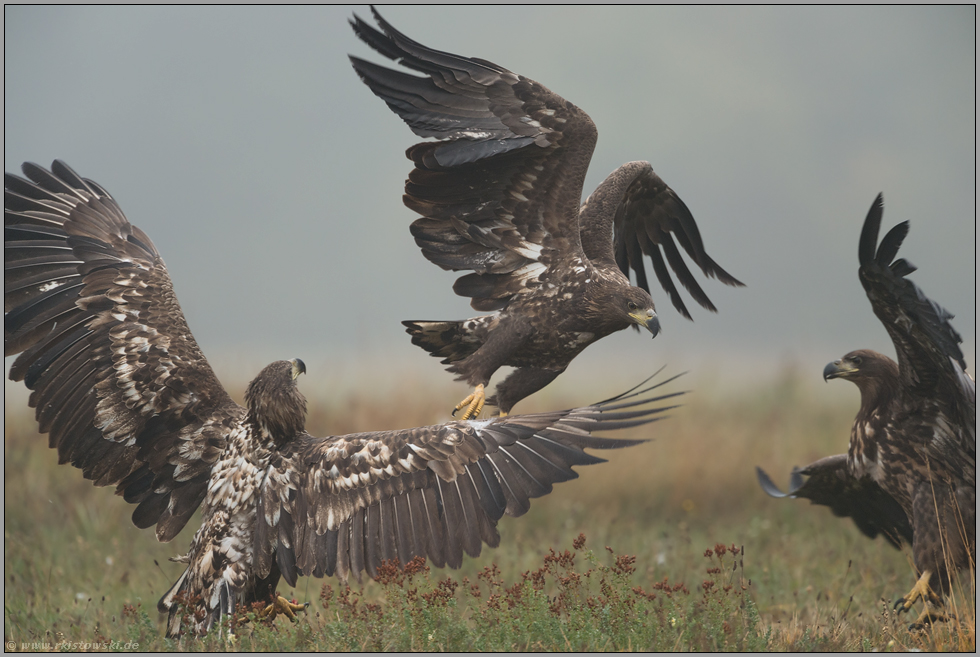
500, 195
275, 408
126, 395
221, 572
910, 468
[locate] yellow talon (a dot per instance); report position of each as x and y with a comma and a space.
920, 590
933, 605
473, 403
281, 605
928, 616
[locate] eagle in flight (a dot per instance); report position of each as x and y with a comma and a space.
500, 194
125, 395
910, 469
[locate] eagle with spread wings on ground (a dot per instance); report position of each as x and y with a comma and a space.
126, 395
500, 195
910, 469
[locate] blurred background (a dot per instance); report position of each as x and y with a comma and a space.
270, 178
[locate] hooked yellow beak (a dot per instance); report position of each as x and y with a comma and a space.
839, 369
299, 367
648, 320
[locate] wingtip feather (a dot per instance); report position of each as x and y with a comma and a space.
869, 232
767, 484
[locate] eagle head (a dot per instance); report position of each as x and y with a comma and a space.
636, 307
860, 364
874, 374
276, 407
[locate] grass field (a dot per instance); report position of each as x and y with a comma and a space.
792, 577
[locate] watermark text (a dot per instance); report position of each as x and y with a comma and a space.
73, 646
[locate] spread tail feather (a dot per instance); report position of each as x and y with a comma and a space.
168, 603
179, 601
451, 341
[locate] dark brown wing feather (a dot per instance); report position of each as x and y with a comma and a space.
437, 491
646, 218
499, 192
830, 483
118, 381
930, 363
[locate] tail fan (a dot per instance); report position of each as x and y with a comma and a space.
451, 341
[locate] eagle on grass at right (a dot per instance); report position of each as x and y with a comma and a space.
910, 470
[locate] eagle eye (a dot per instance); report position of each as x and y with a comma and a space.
856, 360
631, 305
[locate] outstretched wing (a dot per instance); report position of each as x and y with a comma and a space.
930, 363
829, 482
647, 216
341, 505
500, 190
118, 381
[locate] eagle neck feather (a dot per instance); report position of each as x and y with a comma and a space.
877, 392
870, 431
276, 407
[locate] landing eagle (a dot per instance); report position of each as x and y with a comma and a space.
910, 470
126, 396
500, 194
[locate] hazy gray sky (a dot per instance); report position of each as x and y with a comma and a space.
270, 178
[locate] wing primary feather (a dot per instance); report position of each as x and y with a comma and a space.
388, 530
435, 527
530, 486
890, 244
286, 560
330, 551
469, 528
346, 539
868, 242
321, 543
357, 532
405, 530
50, 182
49, 374
72, 179
684, 274
372, 540
420, 528
490, 493
452, 519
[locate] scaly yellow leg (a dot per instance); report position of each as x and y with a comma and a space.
281, 605
473, 404
933, 605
